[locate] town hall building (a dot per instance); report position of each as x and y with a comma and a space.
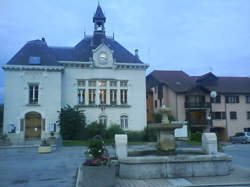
98, 75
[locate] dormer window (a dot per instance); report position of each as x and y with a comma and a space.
34, 60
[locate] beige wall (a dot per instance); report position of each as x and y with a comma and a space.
232, 126
176, 103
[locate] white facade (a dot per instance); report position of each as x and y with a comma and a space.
58, 87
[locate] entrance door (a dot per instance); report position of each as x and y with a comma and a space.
33, 123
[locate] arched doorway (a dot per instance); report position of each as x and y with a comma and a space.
33, 123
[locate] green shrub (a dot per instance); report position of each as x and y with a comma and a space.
71, 122
135, 136
157, 117
150, 135
94, 129
96, 148
196, 137
112, 130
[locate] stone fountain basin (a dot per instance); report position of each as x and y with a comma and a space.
151, 167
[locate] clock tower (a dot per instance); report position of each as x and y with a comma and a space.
99, 20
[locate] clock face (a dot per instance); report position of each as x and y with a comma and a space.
103, 57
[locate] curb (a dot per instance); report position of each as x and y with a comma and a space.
22, 146
78, 182
221, 184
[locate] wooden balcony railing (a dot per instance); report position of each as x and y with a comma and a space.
197, 105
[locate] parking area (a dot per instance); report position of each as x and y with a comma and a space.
25, 167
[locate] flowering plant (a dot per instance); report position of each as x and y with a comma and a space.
97, 154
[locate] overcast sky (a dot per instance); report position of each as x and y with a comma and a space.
196, 36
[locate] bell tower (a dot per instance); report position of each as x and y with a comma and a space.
99, 20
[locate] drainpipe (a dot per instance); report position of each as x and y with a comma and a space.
226, 118
176, 107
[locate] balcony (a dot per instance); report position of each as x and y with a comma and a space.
198, 123
190, 105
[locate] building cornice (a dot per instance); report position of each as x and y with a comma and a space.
115, 65
27, 67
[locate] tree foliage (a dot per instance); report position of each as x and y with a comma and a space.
71, 122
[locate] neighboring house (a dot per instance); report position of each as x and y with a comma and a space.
189, 99
97, 75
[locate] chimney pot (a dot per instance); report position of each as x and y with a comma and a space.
137, 53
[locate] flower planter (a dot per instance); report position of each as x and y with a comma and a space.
44, 149
97, 176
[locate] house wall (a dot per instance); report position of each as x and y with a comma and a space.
136, 111
16, 95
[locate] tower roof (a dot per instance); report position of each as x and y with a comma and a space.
99, 15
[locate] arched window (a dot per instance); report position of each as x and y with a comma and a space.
124, 121
103, 120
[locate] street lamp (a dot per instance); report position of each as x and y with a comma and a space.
213, 95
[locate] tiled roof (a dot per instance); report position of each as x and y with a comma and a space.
179, 81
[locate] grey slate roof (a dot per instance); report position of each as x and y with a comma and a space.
35, 48
180, 82
99, 14
81, 52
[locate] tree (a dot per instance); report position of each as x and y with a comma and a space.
71, 122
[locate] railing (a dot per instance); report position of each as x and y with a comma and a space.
198, 123
197, 105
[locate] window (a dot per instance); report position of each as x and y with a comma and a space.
52, 127
91, 96
11, 128
248, 99
103, 120
218, 115
232, 99
102, 83
81, 83
92, 83
33, 93
248, 114
123, 83
216, 99
102, 96
34, 60
113, 83
113, 96
81, 96
233, 115
124, 122
123, 96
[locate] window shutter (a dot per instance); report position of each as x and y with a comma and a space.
21, 124
226, 98
218, 99
237, 99
43, 124
223, 115
213, 115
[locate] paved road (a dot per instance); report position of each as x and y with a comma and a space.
24, 167
240, 154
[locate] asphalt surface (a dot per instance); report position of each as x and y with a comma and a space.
240, 154
25, 167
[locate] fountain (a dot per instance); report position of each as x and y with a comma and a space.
167, 162
165, 133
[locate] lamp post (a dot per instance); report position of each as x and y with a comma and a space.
213, 95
